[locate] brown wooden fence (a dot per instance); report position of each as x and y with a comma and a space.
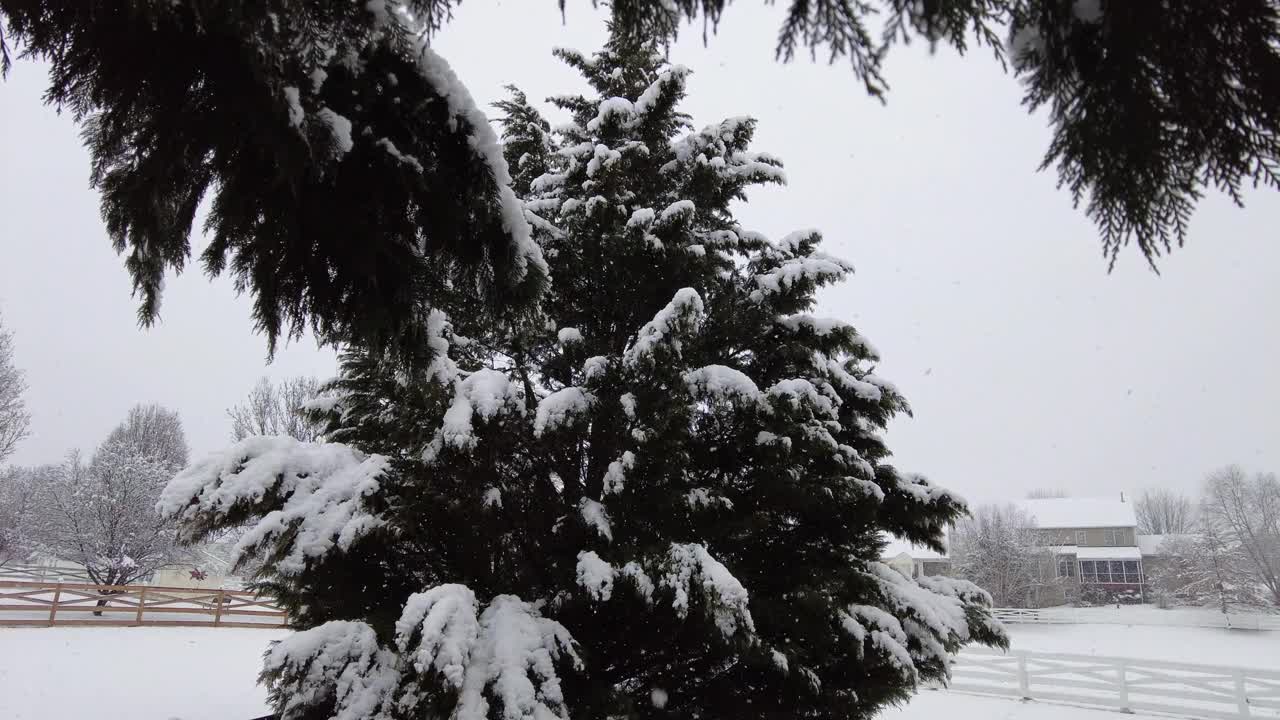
57, 603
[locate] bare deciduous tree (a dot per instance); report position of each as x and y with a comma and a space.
997, 548
1245, 512
18, 488
1164, 512
1204, 568
1046, 493
14, 419
276, 409
101, 515
154, 432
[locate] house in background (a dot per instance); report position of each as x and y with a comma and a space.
1094, 542
914, 560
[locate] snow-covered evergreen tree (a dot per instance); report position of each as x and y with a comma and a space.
661, 497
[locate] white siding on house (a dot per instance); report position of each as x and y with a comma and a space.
1108, 553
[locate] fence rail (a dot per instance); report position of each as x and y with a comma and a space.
1182, 617
1199, 691
46, 604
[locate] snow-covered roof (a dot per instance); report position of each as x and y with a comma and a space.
1108, 553
1080, 512
897, 547
1152, 544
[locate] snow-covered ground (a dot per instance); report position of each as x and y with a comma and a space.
1206, 646
210, 673
941, 705
1151, 615
145, 673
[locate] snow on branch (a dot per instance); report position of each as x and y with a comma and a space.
690, 567
339, 662
595, 575
722, 383
836, 372
513, 665
818, 326
485, 144
797, 392
602, 157
610, 108
501, 664
438, 629
933, 616
920, 489
616, 476
595, 516
677, 210
485, 393
670, 82
817, 268
681, 316
560, 408
641, 218
867, 623
307, 497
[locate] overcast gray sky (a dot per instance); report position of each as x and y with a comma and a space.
1026, 363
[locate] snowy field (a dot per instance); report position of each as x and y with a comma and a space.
209, 674
1206, 646
145, 673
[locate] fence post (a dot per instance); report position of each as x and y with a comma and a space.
1124, 687
217, 615
53, 609
1242, 699
1024, 681
142, 601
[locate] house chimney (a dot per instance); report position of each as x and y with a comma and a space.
1121, 496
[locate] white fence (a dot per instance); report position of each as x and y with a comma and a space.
1199, 691
1140, 615
44, 573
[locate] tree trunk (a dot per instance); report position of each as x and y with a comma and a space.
102, 602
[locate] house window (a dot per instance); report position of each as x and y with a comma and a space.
1081, 537
1114, 536
1111, 571
1066, 568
